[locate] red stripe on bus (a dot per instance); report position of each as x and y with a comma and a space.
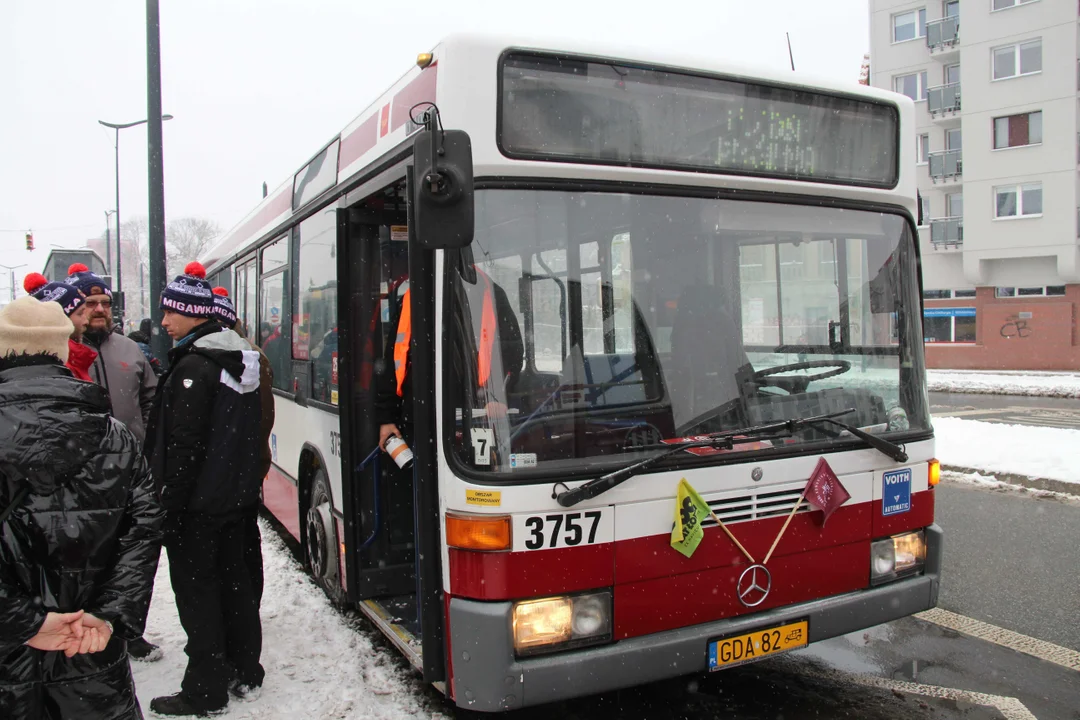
384, 120
421, 89
281, 497
358, 142
280, 203
678, 601
651, 557
508, 576
920, 515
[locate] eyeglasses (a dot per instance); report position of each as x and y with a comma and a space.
103, 304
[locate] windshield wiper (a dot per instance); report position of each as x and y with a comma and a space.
878, 443
724, 440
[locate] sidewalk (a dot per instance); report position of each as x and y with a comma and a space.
1040, 458
1005, 382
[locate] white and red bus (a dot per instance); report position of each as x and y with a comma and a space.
713, 276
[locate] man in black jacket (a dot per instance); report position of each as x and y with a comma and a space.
80, 542
204, 449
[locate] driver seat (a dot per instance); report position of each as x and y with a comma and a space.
706, 354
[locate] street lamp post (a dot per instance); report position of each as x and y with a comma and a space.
13, 269
108, 239
117, 127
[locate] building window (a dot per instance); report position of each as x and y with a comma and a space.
922, 149
952, 8
1018, 130
964, 293
1015, 60
954, 205
936, 294
1006, 4
952, 139
1046, 291
913, 85
925, 208
952, 74
909, 25
1018, 200
949, 325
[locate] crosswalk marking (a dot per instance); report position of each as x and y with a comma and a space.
1040, 649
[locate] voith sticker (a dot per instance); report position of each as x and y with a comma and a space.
896, 492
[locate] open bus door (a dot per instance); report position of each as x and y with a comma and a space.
377, 500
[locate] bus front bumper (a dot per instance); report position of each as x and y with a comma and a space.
488, 678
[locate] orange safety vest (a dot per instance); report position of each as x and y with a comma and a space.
488, 329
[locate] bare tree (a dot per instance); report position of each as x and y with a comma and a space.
185, 240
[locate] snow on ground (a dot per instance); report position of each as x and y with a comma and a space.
1052, 453
317, 664
990, 482
1042, 384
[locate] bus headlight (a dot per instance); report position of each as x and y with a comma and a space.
897, 556
560, 623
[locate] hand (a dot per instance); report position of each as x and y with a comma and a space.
385, 431
60, 631
96, 636
495, 410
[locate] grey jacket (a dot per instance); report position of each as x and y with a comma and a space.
122, 369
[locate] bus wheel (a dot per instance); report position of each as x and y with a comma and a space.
320, 538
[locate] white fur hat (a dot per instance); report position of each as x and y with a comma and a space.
29, 326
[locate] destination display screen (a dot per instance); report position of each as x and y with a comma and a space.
577, 110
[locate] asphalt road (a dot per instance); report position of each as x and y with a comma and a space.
1013, 409
1012, 560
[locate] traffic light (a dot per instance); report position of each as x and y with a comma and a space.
29, 239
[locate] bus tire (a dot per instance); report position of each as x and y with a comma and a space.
320, 538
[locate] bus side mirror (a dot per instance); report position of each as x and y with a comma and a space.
443, 190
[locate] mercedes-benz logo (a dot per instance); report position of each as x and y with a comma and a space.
754, 585
756, 474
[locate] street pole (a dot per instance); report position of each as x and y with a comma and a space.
159, 342
13, 269
119, 252
108, 241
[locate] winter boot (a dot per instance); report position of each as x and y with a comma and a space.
178, 705
144, 651
244, 691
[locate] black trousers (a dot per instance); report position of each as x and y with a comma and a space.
211, 572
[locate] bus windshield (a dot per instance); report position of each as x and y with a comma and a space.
591, 327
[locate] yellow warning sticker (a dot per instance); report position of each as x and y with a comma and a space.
489, 498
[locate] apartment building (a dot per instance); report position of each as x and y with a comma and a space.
996, 85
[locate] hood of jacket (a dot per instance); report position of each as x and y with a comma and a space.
235, 356
50, 423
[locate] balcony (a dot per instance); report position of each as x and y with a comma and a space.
945, 232
946, 165
943, 99
943, 36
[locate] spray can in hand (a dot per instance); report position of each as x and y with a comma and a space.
399, 452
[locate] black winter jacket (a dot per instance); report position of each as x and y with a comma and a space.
204, 433
87, 536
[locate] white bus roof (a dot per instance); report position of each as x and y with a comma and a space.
463, 79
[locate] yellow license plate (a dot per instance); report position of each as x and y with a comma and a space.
752, 646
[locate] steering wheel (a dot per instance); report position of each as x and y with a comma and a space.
798, 383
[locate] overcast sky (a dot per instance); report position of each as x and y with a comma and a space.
257, 86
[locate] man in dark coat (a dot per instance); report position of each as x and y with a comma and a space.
80, 542
203, 443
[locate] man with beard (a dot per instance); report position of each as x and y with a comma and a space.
121, 368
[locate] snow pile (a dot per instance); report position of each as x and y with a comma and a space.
990, 482
1042, 384
1021, 449
317, 666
